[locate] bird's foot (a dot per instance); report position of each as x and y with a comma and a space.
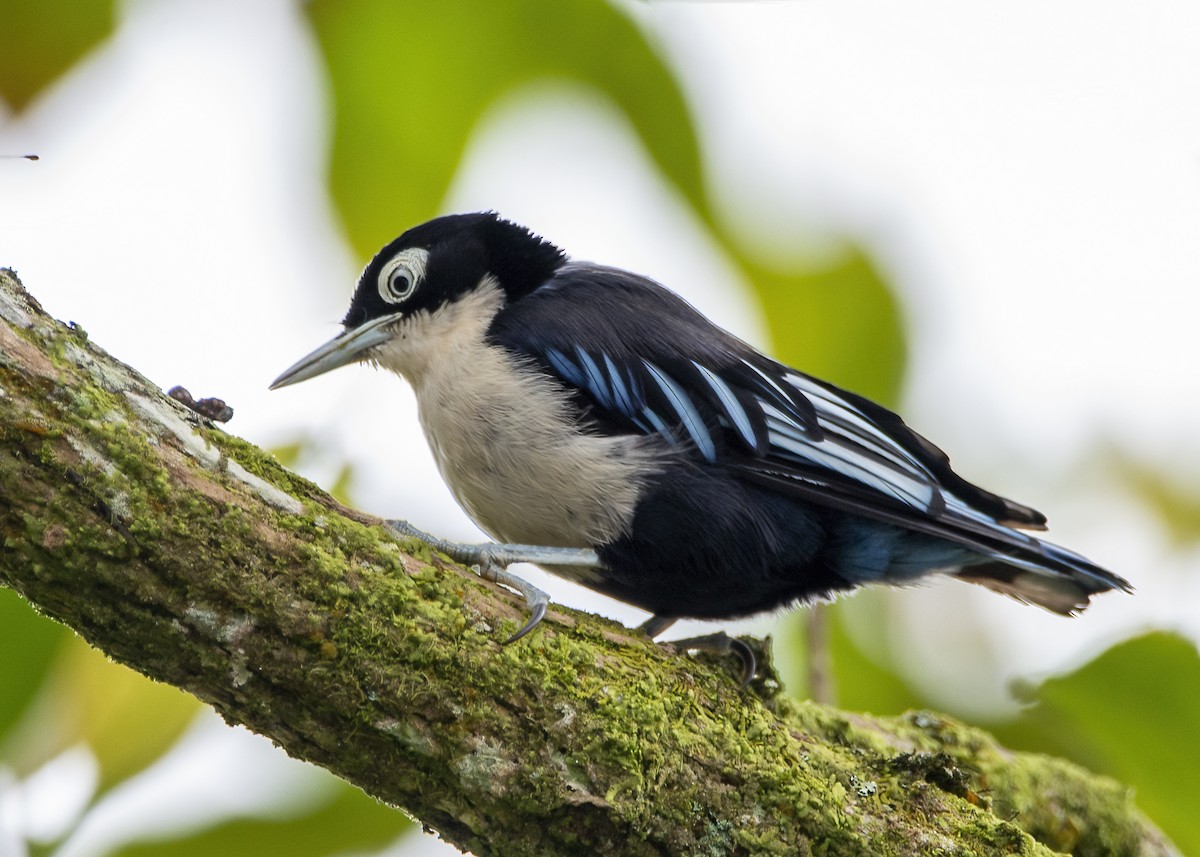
491, 560
724, 644
718, 642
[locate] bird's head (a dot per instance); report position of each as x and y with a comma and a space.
427, 268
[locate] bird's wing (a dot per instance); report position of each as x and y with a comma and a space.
643, 360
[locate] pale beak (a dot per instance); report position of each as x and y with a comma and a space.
350, 347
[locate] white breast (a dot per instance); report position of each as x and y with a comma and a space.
504, 438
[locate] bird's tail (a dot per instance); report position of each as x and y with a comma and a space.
1052, 577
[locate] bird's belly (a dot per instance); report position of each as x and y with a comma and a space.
541, 499
522, 469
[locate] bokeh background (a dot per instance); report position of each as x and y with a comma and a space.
984, 215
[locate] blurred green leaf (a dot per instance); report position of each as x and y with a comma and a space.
347, 822
412, 79
1174, 501
1132, 713
29, 642
41, 39
343, 484
289, 454
867, 682
127, 720
297, 453
840, 323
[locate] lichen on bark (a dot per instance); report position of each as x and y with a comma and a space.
196, 559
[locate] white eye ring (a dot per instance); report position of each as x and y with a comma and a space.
399, 278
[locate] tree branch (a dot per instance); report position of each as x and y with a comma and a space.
196, 559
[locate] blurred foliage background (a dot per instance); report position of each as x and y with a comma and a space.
69, 715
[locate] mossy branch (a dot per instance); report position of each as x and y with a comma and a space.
196, 559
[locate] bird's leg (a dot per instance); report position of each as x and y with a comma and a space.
718, 642
655, 625
492, 559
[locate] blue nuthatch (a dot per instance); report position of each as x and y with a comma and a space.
595, 423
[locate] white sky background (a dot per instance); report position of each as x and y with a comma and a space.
1029, 173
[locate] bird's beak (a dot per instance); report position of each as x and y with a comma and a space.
350, 347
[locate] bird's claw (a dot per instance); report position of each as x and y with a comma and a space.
535, 617
537, 600
724, 644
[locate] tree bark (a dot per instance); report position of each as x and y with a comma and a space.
196, 559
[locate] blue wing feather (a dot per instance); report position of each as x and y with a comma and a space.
733, 408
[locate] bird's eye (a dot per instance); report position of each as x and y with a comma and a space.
400, 276
399, 285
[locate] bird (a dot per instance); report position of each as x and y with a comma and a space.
592, 421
